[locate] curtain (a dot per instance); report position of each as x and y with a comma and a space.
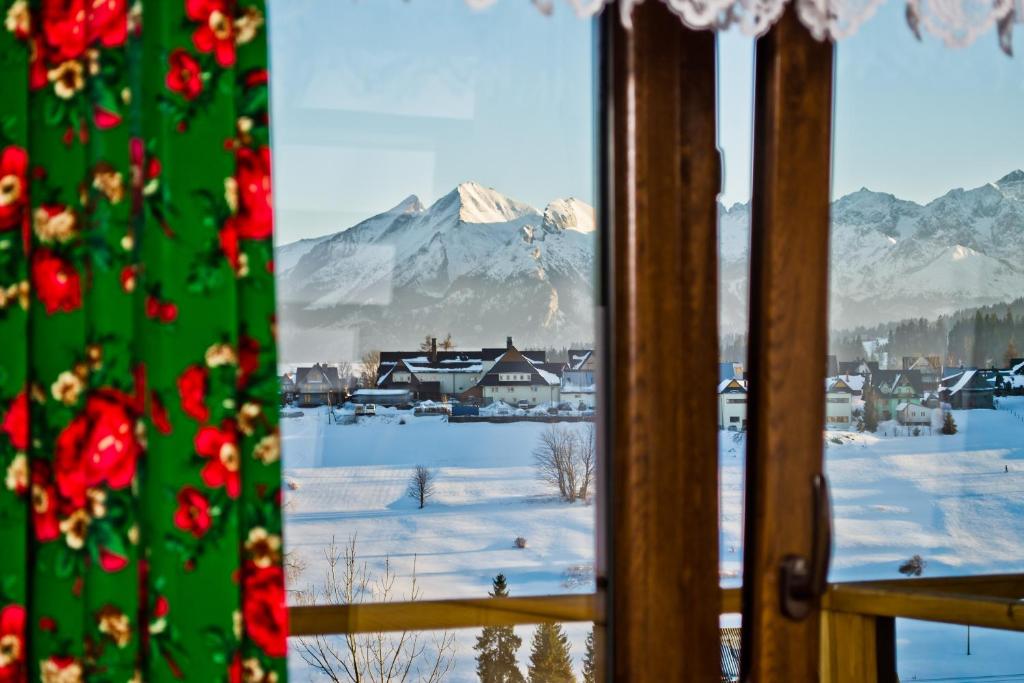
140, 525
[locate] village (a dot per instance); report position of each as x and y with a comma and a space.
491, 381
859, 395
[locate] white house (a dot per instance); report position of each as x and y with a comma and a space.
732, 405
515, 377
913, 413
578, 384
838, 404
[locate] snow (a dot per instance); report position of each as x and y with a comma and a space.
350, 480
380, 392
955, 500
965, 377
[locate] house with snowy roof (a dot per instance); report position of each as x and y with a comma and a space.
930, 368
429, 375
318, 385
967, 389
516, 376
886, 389
579, 386
838, 404
1011, 380
732, 405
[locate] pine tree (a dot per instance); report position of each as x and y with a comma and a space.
497, 647
948, 424
589, 663
549, 658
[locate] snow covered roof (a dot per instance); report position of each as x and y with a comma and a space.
578, 357
961, 381
733, 385
380, 392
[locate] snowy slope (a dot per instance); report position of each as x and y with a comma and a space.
893, 258
475, 263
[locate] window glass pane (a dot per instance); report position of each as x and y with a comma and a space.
435, 261
927, 651
927, 321
735, 123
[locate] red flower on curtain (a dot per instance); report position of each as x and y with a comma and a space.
44, 502
264, 610
220, 446
255, 218
216, 30
248, 359
13, 188
12, 644
64, 29
15, 423
192, 388
98, 447
108, 22
193, 513
55, 282
185, 75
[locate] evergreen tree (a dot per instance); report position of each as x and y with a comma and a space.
870, 423
497, 646
948, 424
549, 659
589, 664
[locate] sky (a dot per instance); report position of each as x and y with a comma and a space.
374, 100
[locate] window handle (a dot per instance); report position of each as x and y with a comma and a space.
802, 581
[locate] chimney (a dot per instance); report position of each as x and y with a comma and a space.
433, 349
508, 343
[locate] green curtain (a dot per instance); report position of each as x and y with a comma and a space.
140, 525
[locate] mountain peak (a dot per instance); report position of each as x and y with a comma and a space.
1013, 177
1012, 185
478, 204
570, 214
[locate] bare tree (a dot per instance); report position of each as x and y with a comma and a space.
447, 343
373, 657
427, 343
555, 457
586, 458
421, 485
347, 375
369, 366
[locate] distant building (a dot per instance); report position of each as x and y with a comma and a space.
318, 385
730, 370
483, 376
579, 384
914, 413
838, 404
732, 405
886, 389
967, 389
930, 368
288, 388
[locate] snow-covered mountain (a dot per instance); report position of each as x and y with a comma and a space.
475, 263
894, 259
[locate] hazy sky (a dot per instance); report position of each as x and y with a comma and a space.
374, 100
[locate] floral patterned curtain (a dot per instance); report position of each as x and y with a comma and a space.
140, 525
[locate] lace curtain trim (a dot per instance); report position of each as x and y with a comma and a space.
957, 22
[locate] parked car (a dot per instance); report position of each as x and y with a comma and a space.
366, 409
523, 405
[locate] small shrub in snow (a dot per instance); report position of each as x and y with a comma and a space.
520, 542
836, 440
293, 485
401, 420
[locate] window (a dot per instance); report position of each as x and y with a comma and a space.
424, 174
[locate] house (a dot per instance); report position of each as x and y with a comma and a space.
967, 389
1012, 379
288, 388
318, 385
914, 413
579, 387
930, 368
516, 376
732, 405
838, 404
886, 389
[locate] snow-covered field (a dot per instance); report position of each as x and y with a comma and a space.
955, 500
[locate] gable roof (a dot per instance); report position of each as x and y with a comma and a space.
514, 361
732, 386
578, 358
837, 384
894, 378
965, 379
328, 375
